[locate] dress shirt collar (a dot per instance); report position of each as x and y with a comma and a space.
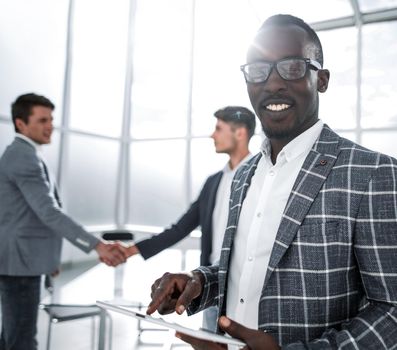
35, 145
300, 144
227, 168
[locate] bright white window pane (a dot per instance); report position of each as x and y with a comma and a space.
384, 142
32, 46
157, 182
308, 10
89, 182
7, 134
161, 62
371, 5
338, 103
379, 77
221, 43
98, 65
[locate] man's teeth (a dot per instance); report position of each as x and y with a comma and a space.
277, 107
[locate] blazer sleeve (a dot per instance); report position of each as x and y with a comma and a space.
210, 294
375, 249
186, 224
28, 175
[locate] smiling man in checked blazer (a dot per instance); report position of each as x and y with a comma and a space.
309, 258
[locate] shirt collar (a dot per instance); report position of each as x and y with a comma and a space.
35, 145
227, 169
300, 144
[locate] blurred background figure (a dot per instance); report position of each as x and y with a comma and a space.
234, 128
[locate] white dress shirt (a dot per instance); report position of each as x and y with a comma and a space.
258, 224
221, 209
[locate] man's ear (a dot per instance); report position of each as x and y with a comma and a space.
322, 80
240, 132
20, 124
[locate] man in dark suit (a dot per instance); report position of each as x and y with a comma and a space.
309, 258
234, 128
32, 224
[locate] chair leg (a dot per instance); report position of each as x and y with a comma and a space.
110, 332
49, 333
93, 333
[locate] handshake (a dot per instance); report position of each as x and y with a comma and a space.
113, 253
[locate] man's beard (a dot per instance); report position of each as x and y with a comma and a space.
278, 134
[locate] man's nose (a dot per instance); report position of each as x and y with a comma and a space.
274, 82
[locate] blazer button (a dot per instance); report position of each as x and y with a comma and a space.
323, 162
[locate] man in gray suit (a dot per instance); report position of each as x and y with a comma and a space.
309, 257
32, 224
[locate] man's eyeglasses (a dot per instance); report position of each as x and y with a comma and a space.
287, 68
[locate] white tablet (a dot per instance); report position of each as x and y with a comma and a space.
200, 334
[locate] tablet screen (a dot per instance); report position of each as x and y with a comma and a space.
200, 334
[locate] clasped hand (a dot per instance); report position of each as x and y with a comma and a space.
174, 292
112, 253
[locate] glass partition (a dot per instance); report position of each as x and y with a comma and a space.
99, 56
89, 180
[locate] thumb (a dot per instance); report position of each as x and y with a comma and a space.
235, 329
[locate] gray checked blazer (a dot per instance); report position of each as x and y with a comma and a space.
32, 223
332, 276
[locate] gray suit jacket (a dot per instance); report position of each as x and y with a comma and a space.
31, 222
331, 282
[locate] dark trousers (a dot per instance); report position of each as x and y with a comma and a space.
20, 297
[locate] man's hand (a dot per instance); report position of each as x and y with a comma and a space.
112, 253
255, 340
132, 250
174, 292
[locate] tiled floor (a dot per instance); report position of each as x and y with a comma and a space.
89, 282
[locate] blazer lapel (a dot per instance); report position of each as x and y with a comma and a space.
311, 177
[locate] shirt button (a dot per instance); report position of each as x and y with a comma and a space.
250, 258
242, 301
271, 172
258, 215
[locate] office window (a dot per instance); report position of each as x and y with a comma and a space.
221, 43
371, 5
157, 182
98, 65
32, 46
89, 180
379, 76
338, 103
309, 10
161, 64
381, 141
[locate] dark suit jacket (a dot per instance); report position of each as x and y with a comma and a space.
199, 214
331, 282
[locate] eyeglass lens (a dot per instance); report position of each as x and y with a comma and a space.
290, 69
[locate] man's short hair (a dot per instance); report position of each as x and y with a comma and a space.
284, 20
238, 116
22, 107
